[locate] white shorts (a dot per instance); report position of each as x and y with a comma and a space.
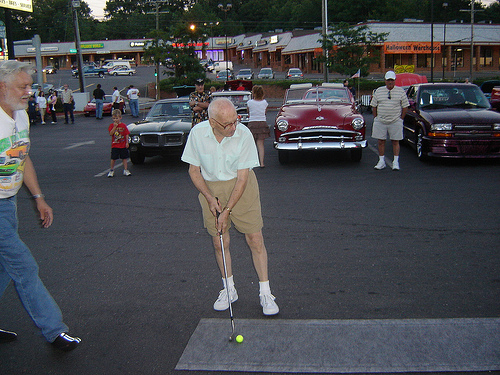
395, 130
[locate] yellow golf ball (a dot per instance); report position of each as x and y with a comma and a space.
239, 338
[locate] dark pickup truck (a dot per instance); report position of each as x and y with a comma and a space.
90, 71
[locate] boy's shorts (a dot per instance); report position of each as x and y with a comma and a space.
395, 130
119, 153
246, 214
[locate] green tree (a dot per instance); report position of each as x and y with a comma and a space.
351, 48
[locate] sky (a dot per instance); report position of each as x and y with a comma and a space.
97, 6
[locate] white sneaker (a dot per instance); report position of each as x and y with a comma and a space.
395, 166
222, 304
111, 173
380, 165
126, 172
269, 307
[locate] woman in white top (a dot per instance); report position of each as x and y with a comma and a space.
257, 120
41, 103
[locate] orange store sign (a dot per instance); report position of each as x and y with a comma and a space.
410, 47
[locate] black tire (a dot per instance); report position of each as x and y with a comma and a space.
419, 145
115, 74
356, 154
283, 156
137, 157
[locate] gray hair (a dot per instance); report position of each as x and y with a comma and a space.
9, 68
217, 104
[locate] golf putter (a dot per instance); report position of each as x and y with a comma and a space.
231, 338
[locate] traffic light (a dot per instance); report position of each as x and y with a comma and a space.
156, 73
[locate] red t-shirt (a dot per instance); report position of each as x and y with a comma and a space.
119, 137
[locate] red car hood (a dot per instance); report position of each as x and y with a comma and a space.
304, 115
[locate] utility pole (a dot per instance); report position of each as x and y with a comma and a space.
324, 21
226, 9
472, 11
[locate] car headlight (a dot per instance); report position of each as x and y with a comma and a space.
496, 126
358, 123
136, 139
441, 127
282, 125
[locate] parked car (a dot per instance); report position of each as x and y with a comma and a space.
46, 87
266, 73
495, 98
245, 74
451, 120
487, 86
91, 71
239, 99
49, 69
121, 71
319, 118
107, 108
164, 131
294, 73
224, 75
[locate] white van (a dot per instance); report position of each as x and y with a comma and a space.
222, 65
110, 64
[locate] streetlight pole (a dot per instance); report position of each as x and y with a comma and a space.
432, 40
226, 9
444, 54
74, 5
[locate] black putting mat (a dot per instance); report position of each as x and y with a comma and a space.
413, 345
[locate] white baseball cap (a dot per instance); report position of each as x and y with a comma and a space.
390, 75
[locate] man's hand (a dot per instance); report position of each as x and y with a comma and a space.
46, 214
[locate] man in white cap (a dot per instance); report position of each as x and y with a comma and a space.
389, 104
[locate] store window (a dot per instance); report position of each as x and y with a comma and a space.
486, 58
391, 60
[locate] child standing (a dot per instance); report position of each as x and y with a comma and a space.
119, 142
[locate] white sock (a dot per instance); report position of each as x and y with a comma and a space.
264, 287
230, 282
396, 159
382, 158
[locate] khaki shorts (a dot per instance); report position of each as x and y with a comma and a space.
395, 130
246, 214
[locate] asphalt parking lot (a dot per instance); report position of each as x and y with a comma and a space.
133, 271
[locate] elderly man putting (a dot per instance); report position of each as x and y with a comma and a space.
221, 153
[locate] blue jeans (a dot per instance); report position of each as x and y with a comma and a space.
17, 264
98, 108
134, 107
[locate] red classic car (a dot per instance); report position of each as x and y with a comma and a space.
107, 106
319, 118
495, 98
451, 120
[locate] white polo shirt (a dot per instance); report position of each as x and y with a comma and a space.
220, 161
14, 148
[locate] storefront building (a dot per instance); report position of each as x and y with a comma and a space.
407, 48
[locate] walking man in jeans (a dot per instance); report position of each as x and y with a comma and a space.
16, 261
99, 100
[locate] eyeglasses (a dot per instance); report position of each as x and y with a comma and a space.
227, 125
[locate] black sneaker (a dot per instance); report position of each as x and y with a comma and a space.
65, 342
7, 336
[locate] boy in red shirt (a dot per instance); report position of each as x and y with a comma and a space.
119, 142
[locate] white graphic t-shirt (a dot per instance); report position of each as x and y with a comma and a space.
14, 148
